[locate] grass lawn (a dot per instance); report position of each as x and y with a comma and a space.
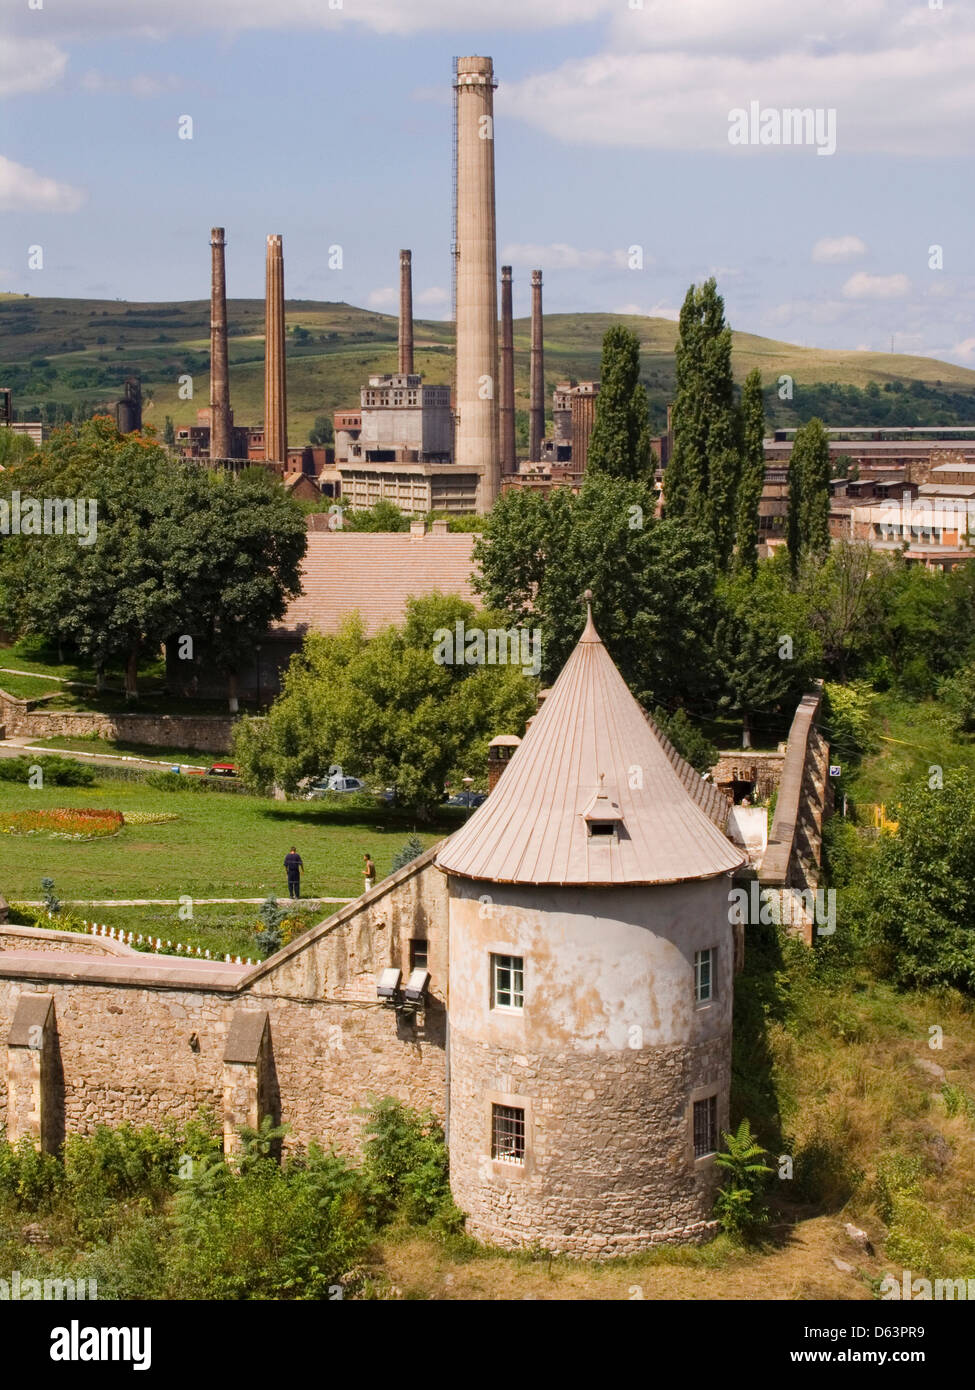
220, 847
27, 687
220, 928
911, 738
122, 748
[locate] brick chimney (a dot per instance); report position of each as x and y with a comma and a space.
500, 752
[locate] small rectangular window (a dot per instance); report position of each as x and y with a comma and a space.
507, 982
508, 1133
418, 953
704, 962
705, 1127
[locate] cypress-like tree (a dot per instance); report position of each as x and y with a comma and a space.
752, 473
701, 482
620, 441
808, 522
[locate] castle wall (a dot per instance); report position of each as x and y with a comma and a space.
609, 1050
142, 1039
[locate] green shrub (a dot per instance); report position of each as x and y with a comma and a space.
405, 1166
898, 1176
411, 850
739, 1205
690, 743
56, 771
849, 720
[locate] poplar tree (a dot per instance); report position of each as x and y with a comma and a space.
752, 477
701, 482
808, 520
620, 440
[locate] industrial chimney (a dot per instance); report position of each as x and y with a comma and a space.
275, 379
477, 445
219, 371
406, 313
536, 411
507, 410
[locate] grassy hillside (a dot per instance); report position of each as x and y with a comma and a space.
78, 352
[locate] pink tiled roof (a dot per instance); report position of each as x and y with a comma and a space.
375, 573
590, 741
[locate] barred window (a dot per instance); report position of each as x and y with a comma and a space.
705, 1126
507, 982
508, 1133
704, 963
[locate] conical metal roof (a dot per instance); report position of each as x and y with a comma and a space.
592, 749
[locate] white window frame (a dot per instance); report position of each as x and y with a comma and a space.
711, 952
515, 966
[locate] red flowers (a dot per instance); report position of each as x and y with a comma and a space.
67, 824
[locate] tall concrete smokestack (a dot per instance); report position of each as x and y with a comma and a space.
536, 410
406, 313
507, 409
477, 441
275, 379
219, 371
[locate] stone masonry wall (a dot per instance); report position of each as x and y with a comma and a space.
588, 1148
132, 1046
208, 733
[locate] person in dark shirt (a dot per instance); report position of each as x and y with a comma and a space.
293, 867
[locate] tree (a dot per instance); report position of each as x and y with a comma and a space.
701, 481
176, 550
240, 542
917, 896
323, 431
808, 519
752, 473
767, 653
653, 582
169, 432
387, 708
620, 440
384, 516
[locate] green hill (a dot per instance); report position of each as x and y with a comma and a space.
58, 353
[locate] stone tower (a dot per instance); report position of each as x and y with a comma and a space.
590, 981
477, 443
219, 368
536, 415
405, 313
507, 406
275, 376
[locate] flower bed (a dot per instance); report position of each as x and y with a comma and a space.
62, 824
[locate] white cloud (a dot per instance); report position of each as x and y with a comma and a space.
864, 286
434, 296
157, 18
29, 65
832, 249
140, 85
559, 256
24, 190
386, 298
965, 350
658, 311
897, 76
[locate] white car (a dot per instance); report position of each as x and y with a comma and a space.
336, 786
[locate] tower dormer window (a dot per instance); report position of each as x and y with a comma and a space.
603, 816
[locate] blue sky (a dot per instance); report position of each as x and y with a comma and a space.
332, 126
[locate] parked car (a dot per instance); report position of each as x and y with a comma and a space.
469, 799
222, 770
340, 786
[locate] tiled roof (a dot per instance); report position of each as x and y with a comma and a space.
375, 572
582, 753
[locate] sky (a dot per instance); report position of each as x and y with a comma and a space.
329, 121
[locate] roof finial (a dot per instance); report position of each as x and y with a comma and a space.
589, 633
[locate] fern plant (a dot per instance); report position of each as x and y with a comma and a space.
739, 1205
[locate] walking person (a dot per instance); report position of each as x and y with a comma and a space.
369, 873
293, 867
